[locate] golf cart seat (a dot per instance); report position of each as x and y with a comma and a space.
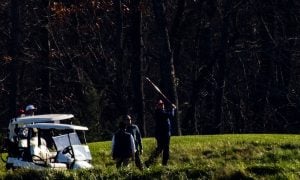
42, 156
41, 153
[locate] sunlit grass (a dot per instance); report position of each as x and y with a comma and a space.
240, 156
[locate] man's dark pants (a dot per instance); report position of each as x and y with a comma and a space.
163, 144
138, 161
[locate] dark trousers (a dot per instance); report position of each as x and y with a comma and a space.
122, 162
138, 161
163, 144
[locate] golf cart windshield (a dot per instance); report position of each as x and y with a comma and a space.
63, 141
81, 152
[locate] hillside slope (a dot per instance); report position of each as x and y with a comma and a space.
239, 156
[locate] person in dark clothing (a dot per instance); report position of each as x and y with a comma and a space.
162, 133
30, 110
135, 132
123, 147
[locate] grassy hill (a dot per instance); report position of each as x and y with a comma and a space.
247, 156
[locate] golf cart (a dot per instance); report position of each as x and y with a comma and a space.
16, 124
44, 142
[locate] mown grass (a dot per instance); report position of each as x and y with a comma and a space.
247, 156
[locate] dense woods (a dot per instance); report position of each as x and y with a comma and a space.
230, 66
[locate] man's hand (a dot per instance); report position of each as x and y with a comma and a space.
173, 106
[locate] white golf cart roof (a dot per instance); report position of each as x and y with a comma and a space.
56, 126
42, 118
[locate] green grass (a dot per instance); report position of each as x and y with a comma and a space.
247, 156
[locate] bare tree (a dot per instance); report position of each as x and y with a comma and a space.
166, 58
136, 56
43, 49
121, 98
14, 53
224, 9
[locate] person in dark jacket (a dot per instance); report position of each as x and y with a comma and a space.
123, 147
135, 132
162, 133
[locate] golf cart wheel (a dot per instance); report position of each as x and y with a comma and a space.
9, 166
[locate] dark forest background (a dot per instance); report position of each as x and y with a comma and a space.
230, 66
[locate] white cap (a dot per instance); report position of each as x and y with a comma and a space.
30, 107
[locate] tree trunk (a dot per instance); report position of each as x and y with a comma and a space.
43, 43
14, 52
201, 75
136, 53
166, 59
264, 73
174, 36
120, 99
221, 65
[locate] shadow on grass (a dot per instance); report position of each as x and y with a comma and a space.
237, 175
265, 170
289, 146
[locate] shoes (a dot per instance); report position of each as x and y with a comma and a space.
140, 166
147, 164
165, 163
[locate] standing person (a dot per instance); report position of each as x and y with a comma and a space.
135, 132
30, 110
123, 147
162, 133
